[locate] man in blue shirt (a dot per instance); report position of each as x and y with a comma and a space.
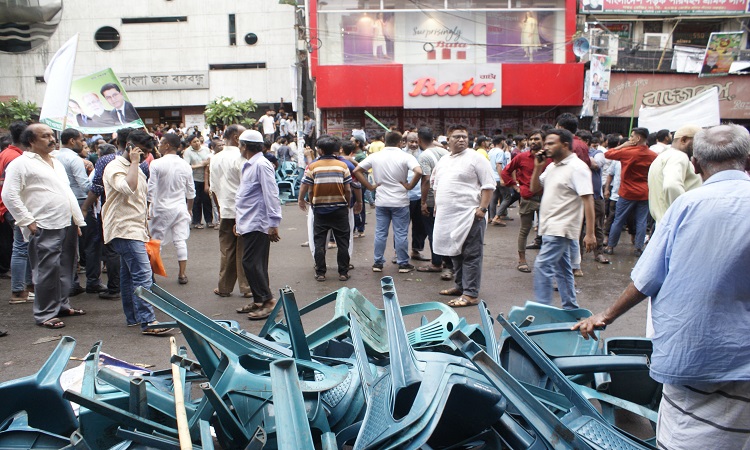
700, 297
258, 216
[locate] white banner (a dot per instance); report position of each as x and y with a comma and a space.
452, 86
59, 77
701, 110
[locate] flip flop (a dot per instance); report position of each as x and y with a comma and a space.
52, 324
72, 312
320, 277
601, 259
523, 267
248, 308
429, 269
451, 291
221, 294
262, 312
462, 302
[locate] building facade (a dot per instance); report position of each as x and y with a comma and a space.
492, 65
172, 57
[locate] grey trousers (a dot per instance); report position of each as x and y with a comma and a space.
467, 267
52, 254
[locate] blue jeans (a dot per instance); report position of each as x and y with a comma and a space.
384, 215
135, 270
553, 262
20, 269
622, 211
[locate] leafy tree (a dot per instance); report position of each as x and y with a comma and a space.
224, 111
15, 109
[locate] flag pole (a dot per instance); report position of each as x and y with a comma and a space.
367, 113
632, 114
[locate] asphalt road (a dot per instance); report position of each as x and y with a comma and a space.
24, 350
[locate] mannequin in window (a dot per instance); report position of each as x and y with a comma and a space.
530, 35
378, 37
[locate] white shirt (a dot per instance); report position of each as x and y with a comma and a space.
170, 183
561, 210
34, 191
458, 181
390, 167
267, 122
225, 179
292, 127
659, 147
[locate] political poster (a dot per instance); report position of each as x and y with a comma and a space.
722, 50
601, 69
99, 104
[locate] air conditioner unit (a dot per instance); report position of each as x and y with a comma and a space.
654, 41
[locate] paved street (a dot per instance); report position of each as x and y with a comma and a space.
503, 287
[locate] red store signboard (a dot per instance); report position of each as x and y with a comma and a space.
663, 7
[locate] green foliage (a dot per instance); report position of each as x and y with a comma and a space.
15, 109
224, 111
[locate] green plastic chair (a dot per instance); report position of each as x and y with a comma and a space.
351, 303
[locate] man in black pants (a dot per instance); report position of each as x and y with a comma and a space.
327, 182
258, 211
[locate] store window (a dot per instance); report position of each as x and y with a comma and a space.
431, 35
692, 33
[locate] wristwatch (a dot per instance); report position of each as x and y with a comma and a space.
484, 210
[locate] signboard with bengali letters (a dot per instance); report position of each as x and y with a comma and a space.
671, 89
663, 7
164, 81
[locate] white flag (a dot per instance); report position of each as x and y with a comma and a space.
59, 76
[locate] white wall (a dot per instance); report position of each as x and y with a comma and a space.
170, 47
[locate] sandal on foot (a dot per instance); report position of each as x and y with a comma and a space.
248, 308
451, 291
344, 277
248, 295
71, 312
320, 277
182, 280
429, 269
52, 324
222, 294
462, 302
155, 331
446, 275
263, 311
601, 259
523, 267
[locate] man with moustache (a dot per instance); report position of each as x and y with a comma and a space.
517, 175
463, 184
568, 198
38, 196
124, 218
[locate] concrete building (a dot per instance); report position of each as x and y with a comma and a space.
172, 57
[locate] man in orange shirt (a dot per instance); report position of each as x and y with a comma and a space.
636, 158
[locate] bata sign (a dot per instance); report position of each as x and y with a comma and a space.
458, 86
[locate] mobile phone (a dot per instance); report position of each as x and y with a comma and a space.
541, 157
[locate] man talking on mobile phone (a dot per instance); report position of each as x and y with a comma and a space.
124, 217
568, 195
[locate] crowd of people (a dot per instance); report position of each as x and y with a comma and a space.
683, 197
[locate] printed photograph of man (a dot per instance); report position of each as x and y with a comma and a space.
123, 112
93, 112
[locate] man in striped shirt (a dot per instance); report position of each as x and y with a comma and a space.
327, 182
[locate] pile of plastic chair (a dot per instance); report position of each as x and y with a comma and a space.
359, 381
288, 181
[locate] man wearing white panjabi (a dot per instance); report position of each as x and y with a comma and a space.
171, 191
463, 185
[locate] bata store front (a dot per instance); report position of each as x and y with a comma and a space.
489, 65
